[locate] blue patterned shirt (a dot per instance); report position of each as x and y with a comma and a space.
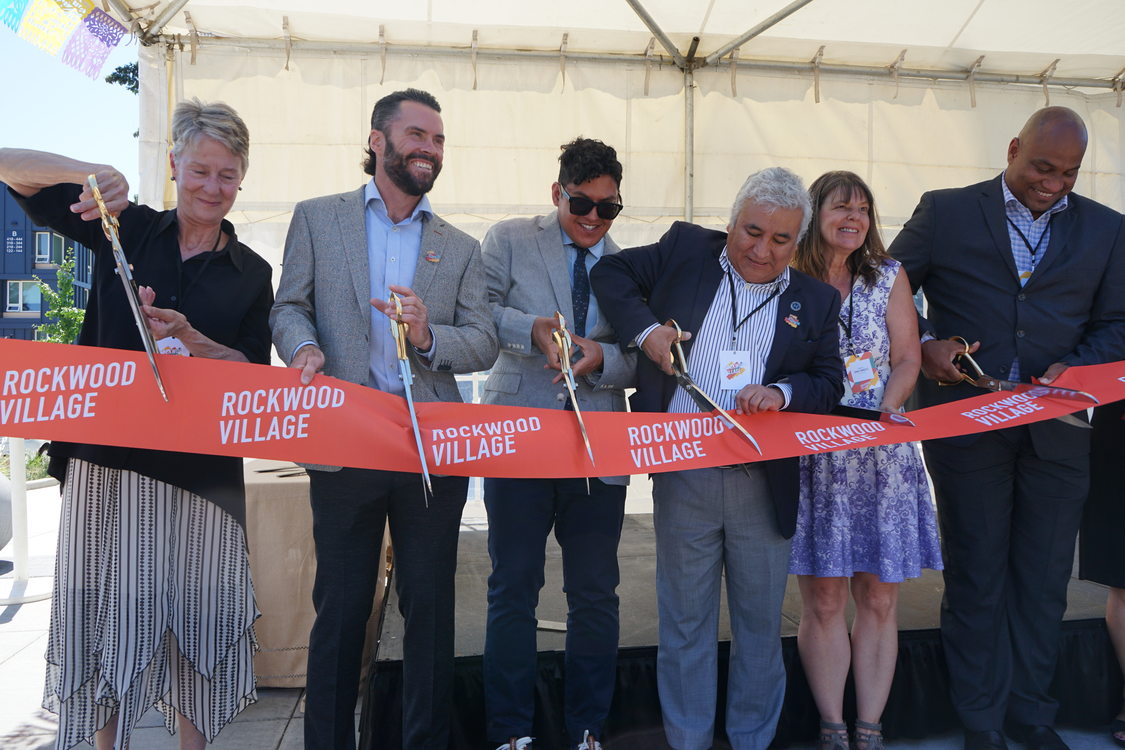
1022, 225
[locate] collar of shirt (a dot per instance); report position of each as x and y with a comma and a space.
1013, 204
233, 248
374, 203
781, 283
595, 251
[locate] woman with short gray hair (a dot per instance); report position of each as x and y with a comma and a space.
153, 603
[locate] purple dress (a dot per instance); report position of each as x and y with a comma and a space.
866, 509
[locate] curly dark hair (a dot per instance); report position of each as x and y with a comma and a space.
385, 110
812, 252
585, 159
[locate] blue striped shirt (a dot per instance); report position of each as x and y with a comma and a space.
717, 333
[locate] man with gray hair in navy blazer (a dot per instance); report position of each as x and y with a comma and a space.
737, 296
344, 253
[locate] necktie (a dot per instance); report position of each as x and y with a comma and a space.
580, 291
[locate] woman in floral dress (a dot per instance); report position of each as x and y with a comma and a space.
865, 521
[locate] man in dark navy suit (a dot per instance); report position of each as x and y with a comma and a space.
736, 293
1034, 276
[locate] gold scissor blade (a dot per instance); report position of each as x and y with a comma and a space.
109, 226
561, 337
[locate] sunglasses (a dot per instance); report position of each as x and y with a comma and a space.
580, 206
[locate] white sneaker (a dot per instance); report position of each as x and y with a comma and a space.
588, 742
523, 743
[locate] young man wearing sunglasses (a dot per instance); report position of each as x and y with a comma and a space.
535, 268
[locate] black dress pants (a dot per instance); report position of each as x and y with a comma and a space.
350, 508
1008, 520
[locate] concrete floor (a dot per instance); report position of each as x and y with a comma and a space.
275, 722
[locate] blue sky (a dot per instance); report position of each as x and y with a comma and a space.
52, 107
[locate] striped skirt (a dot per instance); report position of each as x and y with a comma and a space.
153, 605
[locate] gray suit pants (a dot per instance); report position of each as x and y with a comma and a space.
711, 521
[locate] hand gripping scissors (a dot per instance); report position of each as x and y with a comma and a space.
972, 373
562, 339
701, 399
399, 331
110, 226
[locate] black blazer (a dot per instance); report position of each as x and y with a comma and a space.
956, 249
677, 278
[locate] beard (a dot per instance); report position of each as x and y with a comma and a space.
395, 166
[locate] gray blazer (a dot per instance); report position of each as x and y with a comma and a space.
529, 277
324, 296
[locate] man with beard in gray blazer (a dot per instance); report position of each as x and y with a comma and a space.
342, 255
536, 267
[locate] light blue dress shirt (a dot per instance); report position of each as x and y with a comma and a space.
392, 256
593, 255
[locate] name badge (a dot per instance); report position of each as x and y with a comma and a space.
861, 373
734, 369
172, 345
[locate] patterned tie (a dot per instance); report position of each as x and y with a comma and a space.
580, 291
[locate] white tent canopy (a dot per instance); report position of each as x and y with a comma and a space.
911, 94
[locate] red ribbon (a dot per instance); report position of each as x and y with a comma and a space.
107, 396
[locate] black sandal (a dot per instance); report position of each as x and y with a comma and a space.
1117, 727
868, 735
833, 736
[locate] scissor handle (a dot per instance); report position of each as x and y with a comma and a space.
965, 364
964, 356
679, 361
561, 337
399, 329
109, 221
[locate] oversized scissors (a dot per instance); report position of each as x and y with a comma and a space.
562, 339
110, 227
972, 373
399, 329
701, 399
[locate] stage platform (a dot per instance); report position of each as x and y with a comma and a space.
1087, 682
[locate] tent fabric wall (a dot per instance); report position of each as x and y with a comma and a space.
309, 124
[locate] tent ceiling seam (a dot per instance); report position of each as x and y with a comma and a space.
965, 25
744, 63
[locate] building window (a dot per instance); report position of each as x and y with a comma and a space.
49, 248
24, 296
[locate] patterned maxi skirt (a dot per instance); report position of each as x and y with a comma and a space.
153, 605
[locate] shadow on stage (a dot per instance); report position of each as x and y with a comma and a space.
1087, 681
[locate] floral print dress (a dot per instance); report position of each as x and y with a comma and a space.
866, 509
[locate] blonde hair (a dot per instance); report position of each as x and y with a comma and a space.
217, 120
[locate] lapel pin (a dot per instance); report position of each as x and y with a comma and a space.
792, 320
794, 305
432, 257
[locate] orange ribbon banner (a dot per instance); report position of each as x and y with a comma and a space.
107, 396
